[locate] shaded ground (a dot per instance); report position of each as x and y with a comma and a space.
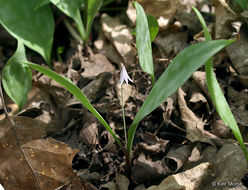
182, 144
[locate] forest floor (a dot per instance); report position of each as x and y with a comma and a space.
166, 154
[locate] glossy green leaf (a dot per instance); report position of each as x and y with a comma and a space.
216, 94
17, 77
93, 6
177, 73
242, 3
35, 28
72, 88
72, 9
143, 41
153, 26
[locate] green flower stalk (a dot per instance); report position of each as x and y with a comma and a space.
123, 77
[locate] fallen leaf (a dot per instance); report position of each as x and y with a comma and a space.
188, 180
122, 182
120, 36
28, 162
194, 125
176, 158
144, 169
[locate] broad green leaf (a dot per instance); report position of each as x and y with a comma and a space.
143, 41
242, 4
93, 6
153, 26
177, 73
216, 94
35, 28
72, 9
17, 77
72, 88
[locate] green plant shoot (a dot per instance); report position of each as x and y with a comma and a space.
143, 42
17, 77
216, 93
72, 88
177, 73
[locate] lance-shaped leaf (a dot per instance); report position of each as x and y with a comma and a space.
143, 41
72, 88
216, 94
177, 73
35, 28
17, 77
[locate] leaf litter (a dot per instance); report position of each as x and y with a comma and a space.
181, 145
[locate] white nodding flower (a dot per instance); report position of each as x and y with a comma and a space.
124, 76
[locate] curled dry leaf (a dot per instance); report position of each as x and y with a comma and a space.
194, 125
176, 158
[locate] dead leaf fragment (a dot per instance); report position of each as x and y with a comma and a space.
147, 170
122, 182
176, 158
120, 36
194, 125
188, 180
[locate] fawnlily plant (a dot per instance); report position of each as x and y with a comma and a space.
216, 94
176, 74
33, 26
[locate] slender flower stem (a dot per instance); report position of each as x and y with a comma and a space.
123, 115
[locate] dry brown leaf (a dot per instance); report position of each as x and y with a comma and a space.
176, 158
188, 180
145, 169
238, 105
224, 16
194, 125
89, 133
127, 92
26, 163
107, 48
120, 36
230, 166
238, 54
